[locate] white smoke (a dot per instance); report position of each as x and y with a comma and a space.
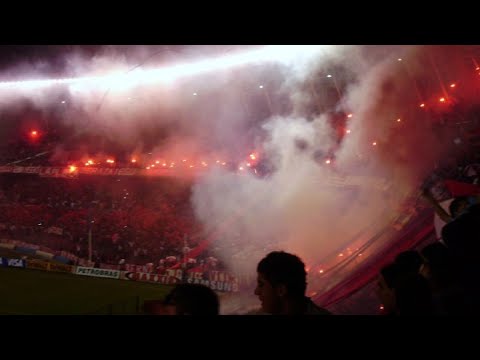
294, 209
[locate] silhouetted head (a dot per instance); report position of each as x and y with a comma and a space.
458, 205
409, 261
281, 277
193, 299
437, 261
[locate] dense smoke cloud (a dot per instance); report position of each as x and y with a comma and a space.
295, 209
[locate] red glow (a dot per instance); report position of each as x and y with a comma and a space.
477, 68
253, 156
374, 143
422, 105
340, 254
110, 161
442, 99
327, 161
348, 131
452, 85
34, 135
134, 160
349, 115
320, 271
381, 307
72, 168
398, 120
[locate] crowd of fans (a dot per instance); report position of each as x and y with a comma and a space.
442, 277
130, 220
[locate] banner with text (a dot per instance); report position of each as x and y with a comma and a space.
95, 272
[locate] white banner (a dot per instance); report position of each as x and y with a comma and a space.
103, 273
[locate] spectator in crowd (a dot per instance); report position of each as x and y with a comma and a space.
439, 270
461, 237
281, 286
413, 296
403, 293
191, 299
409, 261
387, 280
437, 264
457, 206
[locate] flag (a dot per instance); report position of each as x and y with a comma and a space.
457, 188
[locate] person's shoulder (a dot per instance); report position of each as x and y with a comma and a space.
314, 309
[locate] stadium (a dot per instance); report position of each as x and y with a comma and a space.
126, 170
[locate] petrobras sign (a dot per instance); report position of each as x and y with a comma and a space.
95, 272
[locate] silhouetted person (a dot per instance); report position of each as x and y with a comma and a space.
462, 237
193, 299
409, 261
186, 299
413, 296
458, 206
455, 209
439, 270
437, 265
403, 293
281, 286
386, 283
